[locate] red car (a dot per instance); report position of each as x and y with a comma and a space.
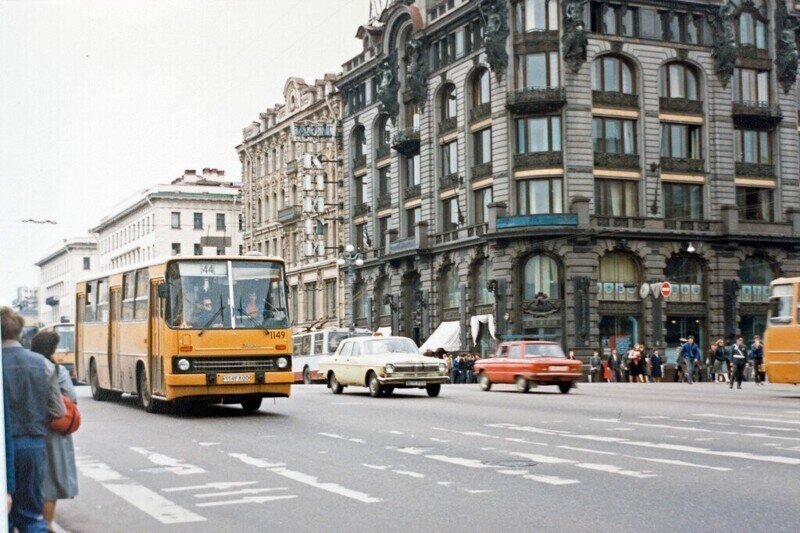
528, 363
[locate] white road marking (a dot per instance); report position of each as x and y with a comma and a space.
477, 491
249, 499
484, 435
680, 463
409, 450
237, 492
544, 459
513, 472
220, 485
375, 467
347, 403
586, 450
551, 480
167, 463
773, 428
208, 443
610, 420
612, 469
444, 483
395, 432
705, 430
340, 437
750, 418
139, 496
306, 479
488, 449
460, 461
409, 473
434, 439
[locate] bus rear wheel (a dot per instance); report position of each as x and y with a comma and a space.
251, 405
146, 400
101, 395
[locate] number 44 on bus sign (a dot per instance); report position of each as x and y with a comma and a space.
658, 289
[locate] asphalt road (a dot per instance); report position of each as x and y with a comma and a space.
622, 457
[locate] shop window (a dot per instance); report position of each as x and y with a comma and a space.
541, 275
755, 275
619, 277
686, 275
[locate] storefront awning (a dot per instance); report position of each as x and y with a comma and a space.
475, 326
447, 336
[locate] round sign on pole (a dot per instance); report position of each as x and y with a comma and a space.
666, 289
644, 291
655, 290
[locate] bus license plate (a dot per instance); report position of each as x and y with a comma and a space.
237, 378
415, 383
559, 368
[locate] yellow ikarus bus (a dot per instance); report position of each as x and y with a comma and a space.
65, 351
782, 337
201, 328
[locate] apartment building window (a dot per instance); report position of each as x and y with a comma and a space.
384, 131
359, 141
383, 181
412, 116
537, 15
751, 146
176, 220
752, 31
380, 237
447, 102
176, 248
451, 214
539, 196
677, 80
198, 221
360, 189
482, 146
360, 231
683, 201
614, 136
680, 141
220, 221
87, 264
539, 134
755, 203
220, 250
750, 85
449, 152
413, 216
537, 71
481, 200
612, 74
241, 223
412, 170
616, 198
330, 298
311, 301
198, 250
481, 88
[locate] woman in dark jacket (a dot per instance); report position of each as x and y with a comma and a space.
655, 363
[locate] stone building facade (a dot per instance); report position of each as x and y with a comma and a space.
292, 211
66, 263
542, 160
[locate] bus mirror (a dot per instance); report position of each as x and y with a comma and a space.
162, 290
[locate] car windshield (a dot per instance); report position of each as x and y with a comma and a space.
401, 346
335, 338
227, 294
543, 350
66, 336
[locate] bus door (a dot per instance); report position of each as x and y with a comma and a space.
115, 313
155, 349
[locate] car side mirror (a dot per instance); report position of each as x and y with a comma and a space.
162, 290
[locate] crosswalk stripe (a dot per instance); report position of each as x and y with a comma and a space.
237, 492
220, 485
750, 418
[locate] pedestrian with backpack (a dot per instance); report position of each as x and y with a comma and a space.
61, 474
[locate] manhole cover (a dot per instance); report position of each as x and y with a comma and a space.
510, 463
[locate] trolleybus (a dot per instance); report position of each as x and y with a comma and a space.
782, 336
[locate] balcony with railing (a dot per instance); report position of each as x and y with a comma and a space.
480, 112
538, 160
757, 170
619, 161
536, 100
681, 105
752, 113
685, 224
460, 234
615, 99
289, 214
484, 170
448, 125
412, 191
384, 201
359, 161
406, 141
450, 181
360, 209
679, 164
382, 151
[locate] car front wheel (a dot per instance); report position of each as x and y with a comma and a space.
485, 382
433, 389
334, 384
375, 389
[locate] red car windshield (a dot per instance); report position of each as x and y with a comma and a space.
543, 350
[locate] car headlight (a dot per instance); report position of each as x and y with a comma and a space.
442, 368
184, 365
390, 369
282, 362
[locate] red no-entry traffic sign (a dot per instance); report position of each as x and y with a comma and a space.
666, 289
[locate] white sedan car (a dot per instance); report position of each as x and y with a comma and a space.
382, 364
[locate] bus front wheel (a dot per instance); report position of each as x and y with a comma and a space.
101, 395
146, 399
251, 405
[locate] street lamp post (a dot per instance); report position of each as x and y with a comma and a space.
350, 258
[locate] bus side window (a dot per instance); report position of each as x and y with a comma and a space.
306, 347
296, 345
91, 295
319, 338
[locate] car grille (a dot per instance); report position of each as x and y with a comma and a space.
418, 368
229, 364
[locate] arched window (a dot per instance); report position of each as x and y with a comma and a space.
678, 80
482, 275
755, 275
481, 91
619, 277
752, 31
541, 275
383, 132
447, 102
359, 141
449, 288
612, 74
685, 272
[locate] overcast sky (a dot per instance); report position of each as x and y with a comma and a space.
99, 99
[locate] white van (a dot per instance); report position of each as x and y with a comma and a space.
310, 347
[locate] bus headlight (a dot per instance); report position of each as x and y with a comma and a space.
442, 368
184, 365
282, 363
390, 369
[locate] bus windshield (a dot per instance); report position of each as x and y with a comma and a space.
780, 308
66, 336
227, 294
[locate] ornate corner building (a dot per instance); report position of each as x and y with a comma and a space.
294, 212
541, 160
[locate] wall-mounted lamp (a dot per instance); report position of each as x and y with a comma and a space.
690, 248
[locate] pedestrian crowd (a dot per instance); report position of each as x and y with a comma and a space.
460, 367
640, 364
40, 408
727, 361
